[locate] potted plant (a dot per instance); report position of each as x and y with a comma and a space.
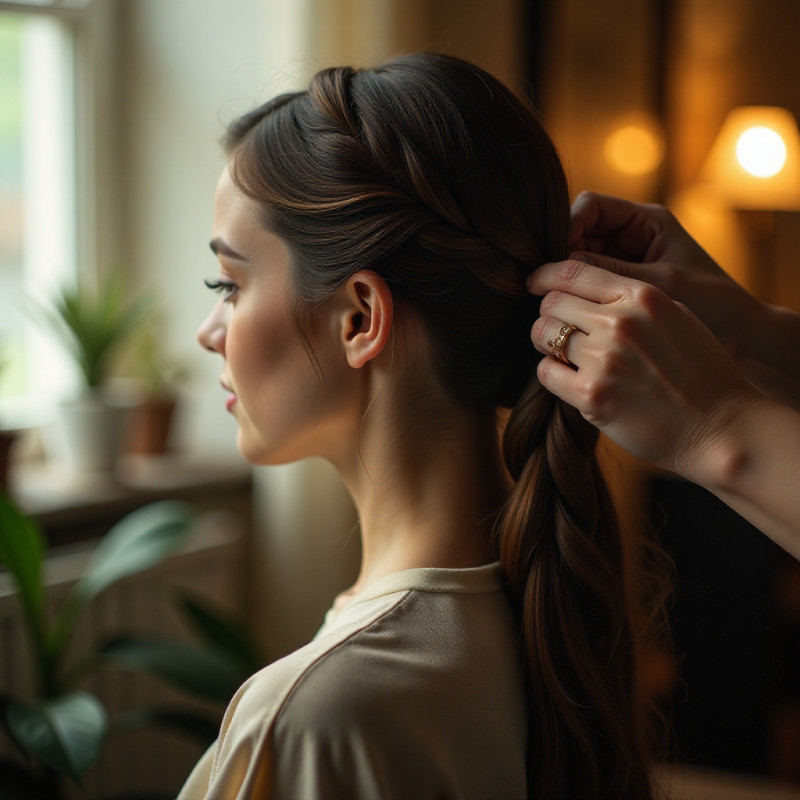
158, 375
61, 731
94, 325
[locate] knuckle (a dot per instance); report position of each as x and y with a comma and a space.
549, 301
621, 328
584, 198
544, 371
538, 331
570, 271
612, 363
595, 397
671, 279
649, 298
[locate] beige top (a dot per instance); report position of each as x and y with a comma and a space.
413, 690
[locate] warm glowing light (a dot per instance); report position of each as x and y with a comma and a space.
755, 159
761, 151
633, 150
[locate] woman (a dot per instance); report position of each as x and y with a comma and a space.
374, 234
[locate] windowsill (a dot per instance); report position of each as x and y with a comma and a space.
71, 507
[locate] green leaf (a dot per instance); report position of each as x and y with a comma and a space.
65, 733
198, 670
21, 549
222, 632
201, 727
93, 323
138, 541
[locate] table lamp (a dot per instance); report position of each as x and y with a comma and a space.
755, 163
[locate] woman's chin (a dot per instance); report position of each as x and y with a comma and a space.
259, 454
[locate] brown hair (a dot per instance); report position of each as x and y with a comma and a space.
433, 174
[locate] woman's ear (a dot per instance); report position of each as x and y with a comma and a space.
366, 320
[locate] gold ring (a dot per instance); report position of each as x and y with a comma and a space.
559, 342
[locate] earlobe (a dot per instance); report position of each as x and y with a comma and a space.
367, 323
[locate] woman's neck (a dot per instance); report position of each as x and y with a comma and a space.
427, 487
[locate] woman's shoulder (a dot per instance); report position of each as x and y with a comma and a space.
392, 651
409, 680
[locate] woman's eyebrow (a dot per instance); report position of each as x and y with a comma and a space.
218, 247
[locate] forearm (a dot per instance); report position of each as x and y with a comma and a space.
769, 354
753, 466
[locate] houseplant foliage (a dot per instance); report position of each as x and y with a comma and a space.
61, 732
94, 324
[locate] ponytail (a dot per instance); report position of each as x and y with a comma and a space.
560, 547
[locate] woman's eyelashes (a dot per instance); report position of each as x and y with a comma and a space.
226, 288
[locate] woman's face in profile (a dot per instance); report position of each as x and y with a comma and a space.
282, 408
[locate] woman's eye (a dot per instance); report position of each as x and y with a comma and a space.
226, 288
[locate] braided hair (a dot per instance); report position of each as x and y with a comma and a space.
430, 172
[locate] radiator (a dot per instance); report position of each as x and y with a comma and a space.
209, 567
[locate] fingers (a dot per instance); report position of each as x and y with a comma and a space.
627, 269
547, 330
601, 223
561, 380
575, 277
600, 213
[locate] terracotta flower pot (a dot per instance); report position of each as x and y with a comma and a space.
150, 425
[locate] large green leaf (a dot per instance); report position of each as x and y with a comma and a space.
21, 548
222, 632
65, 733
138, 541
200, 671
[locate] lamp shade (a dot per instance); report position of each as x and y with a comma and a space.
755, 159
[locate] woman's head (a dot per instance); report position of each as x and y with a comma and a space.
430, 173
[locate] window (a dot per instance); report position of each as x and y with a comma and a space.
38, 232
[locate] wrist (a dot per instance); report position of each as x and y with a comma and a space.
720, 457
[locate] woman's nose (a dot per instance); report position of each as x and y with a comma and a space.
211, 333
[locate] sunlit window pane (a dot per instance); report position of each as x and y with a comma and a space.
37, 200
12, 380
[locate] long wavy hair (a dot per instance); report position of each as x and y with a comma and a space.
430, 172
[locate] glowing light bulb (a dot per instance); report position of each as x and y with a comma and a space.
761, 151
633, 150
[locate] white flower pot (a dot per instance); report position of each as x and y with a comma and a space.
92, 426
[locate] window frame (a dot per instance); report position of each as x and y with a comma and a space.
90, 27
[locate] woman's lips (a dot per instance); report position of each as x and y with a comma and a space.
230, 401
